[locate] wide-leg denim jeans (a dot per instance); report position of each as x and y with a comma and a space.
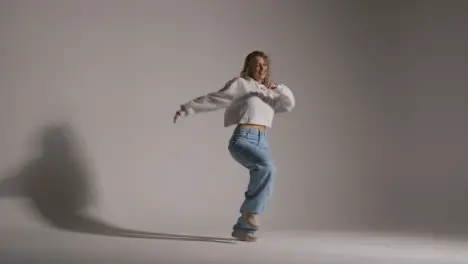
249, 147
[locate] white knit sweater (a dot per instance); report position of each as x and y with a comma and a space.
245, 101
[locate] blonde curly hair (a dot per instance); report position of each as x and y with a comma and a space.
247, 71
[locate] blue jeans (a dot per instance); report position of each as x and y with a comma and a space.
249, 147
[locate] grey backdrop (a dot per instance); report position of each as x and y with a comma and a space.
377, 139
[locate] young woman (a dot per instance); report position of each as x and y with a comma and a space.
251, 101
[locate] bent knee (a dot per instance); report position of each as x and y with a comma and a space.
267, 167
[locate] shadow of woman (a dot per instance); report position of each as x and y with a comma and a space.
59, 187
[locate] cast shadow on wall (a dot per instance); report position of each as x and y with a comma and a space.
59, 187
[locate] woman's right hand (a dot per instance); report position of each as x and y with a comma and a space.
177, 115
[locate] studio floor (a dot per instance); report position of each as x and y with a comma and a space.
56, 246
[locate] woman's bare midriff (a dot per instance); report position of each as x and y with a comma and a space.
260, 127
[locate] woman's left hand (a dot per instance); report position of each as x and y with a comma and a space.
272, 85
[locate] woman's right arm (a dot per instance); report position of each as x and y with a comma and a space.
215, 100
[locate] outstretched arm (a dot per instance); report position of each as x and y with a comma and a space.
212, 101
284, 100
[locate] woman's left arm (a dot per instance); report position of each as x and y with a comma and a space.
284, 100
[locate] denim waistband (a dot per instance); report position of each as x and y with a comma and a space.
249, 130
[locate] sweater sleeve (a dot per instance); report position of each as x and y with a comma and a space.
214, 100
284, 101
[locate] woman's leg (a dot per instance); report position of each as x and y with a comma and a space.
249, 147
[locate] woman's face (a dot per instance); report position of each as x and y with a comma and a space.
259, 69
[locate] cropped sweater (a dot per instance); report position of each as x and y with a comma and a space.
245, 101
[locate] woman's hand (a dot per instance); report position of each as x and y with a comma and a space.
272, 85
177, 115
